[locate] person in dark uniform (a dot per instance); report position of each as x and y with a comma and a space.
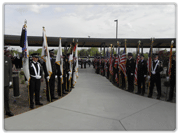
81, 63
172, 78
7, 81
35, 80
141, 75
123, 80
59, 76
98, 65
89, 62
84, 63
73, 71
107, 68
130, 69
52, 78
115, 68
155, 76
66, 71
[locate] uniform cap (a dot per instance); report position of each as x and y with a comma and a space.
51, 51
130, 54
36, 55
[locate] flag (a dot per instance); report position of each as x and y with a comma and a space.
170, 60
76, 57
59, 59
45, 53
149, 60
70, 65
122, 64
25, 53
116, 62
136, 69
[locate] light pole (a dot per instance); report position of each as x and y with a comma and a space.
116, 30
116, 27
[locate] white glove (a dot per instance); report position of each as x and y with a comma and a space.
10, 83
144, 75
69, 72
153, 72
26, 82
48, 77
38, 77
60, 76
66, 75
131, 73
148, 77
56, 76
167, 78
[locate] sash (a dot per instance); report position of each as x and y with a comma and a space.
153, 71
36, 74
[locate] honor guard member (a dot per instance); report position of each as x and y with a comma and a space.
66, 71
59, 76
172, 78
141, 75
73, 71
107, 68
81, 63
35, 80
115, 68
52, 78
7, 81
130, 69
84, 63
156, 68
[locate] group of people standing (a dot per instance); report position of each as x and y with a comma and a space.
65, 84
38, 71
125, 78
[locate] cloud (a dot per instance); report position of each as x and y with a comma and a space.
37, 8
59, 9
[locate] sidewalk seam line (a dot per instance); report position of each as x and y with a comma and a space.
140, 110
83, 113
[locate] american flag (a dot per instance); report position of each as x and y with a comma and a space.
116, 62
122, 64
170, 60
110, 66
135, 76
149, 61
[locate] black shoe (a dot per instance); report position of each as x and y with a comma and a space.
137, 93
32, 106
169, 100
150, 96
9, 114
39, 104
142, 94
65, 92
55, 98
158, 97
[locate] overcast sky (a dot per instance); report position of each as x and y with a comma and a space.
94, 20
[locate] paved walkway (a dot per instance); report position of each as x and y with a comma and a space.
96, 104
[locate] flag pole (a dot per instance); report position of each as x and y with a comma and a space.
136, 69
125, 63
170, 65
151, 63
49, 91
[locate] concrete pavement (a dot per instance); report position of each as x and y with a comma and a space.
96, 104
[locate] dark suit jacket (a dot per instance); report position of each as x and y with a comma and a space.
142, 68
7, 70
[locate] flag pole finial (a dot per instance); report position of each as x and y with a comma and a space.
172, 41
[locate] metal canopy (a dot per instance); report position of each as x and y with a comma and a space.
14, 40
